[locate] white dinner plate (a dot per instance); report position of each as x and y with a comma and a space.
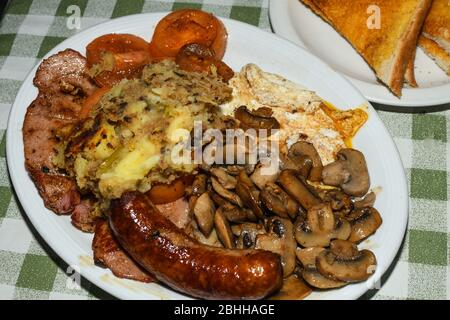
246, 44
294, 21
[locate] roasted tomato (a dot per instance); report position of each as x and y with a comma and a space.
195, 57
113, 57
92, 100
165, 193
185, 27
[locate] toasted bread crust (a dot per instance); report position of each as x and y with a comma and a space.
410, 76
407, 47
437, 24
388, 49
438, 54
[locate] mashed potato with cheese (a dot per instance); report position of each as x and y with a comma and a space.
126, 144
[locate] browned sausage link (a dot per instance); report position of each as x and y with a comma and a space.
187, 265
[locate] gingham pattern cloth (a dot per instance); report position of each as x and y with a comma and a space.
29, 269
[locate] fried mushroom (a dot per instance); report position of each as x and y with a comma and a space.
251, 120
246, 191
276, 200
349, 172
344, 262
300, 152
320, 227
246, 234
297, 189
223, 229
307, 258
279, 239
364, 222
260, 178
204, 213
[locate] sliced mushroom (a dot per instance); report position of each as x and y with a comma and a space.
198, 185
294, 288
349, 172
344, 262
297, 189
317, 280
367, 201
218, 200
320, 227
280, 239
204, 213
223, 229
338, 199
246, 233
279, 202
227, 194
307, 257
261, 177
264, 112
248, 194
226, 180
364, 222
197, 188
235, 214
297, 153
249, 120
211, 239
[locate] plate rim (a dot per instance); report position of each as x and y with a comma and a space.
377, 93
118, 291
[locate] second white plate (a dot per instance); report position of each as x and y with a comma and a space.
297, 23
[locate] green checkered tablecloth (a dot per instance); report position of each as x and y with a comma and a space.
29, 269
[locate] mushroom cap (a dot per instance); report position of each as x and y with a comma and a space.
226, 180
344, 262
299, 150
359, 182
349, 172
317, 280
364, 222
307, 257
294, 288
247, 192
204, 213
249, 120
246, 233
280, 239
367, 201
320, 227
276, 200
223, 229
225, 193
260, 179
297, 189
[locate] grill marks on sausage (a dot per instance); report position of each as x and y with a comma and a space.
62, 87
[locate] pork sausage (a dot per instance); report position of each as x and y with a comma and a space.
186, 265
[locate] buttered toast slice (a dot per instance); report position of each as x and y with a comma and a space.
388, 46
437, 24
436, 52
435, 38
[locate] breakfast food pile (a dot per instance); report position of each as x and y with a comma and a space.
389, 45
112, 139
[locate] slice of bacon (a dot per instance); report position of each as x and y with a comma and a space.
110, 254
63, 86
